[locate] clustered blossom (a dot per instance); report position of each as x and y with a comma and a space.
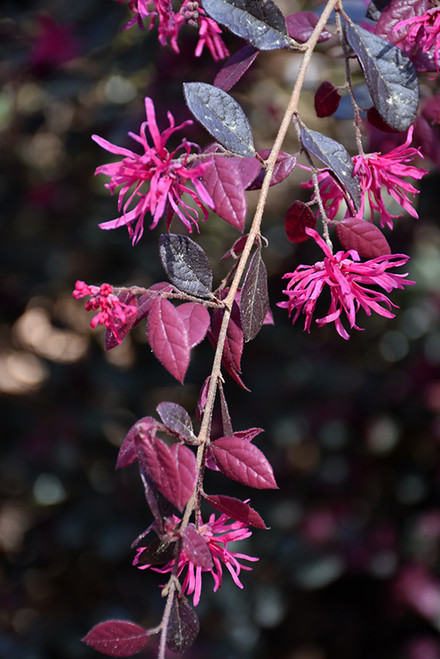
421, 34
113, 313
170, 22
155, 180
376, 171
217, 533
348, 282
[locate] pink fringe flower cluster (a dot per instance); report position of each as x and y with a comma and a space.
348, 281
113, 313
375, 172
421, 34
155, 180
217, 533
170, 23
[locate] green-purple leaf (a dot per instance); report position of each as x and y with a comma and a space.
186, 264
221, 115
254, 298
390, 76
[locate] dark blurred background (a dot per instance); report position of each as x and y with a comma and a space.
349, 569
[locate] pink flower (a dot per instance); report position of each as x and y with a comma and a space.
348, 281
421, 33
217, 533
113, 313
155, 180
376, 171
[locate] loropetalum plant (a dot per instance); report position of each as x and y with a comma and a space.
356, 270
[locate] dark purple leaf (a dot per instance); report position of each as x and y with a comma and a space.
336, 157
186, 264
144, 302
248, 434
254, 298
160, 507
203, 396
117, 638
235, 67
241, 461
376, 120
301, 25
236, 249
110, 339
176, 419
222, 181
221, 115
196, 548
429, 139
366, 238
390, 76
158, 552
168, 338
236, 509
226, 419
183, 626
327, 99
284, 166
234, 338
259, 22
196, 320
298, 218
127, 452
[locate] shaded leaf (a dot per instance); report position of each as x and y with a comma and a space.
117, 638
301, 24
127, 452
236, 249
157, 553
375, 8
234, 338
390, 76
235, 67
176, 419
183, 626
196, 319
167, 338
254, 298
221, 115
160, 507
284, 166
376, 120
327, 99
222, 180
298, 218
236, 509
336, 157
144, 302
196, 548
259, 22
241, 461
186, 264
366, 238
226, 419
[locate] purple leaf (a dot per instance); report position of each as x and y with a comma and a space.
234, 338
236, 509
183, 626
160, 507
110, 339
260, 23
376, 120
366, 238
241, 461
167, 338
301, 25
235, 67
221, 115
176, 419
284, 166
226, 419
196, 319
144, 302
127, 452
248, 434
254, 298
196, 548
390, 76
298, 218
186, 264
222, 181
117, 638
249, 168
236, 249
327, 99
158, 552
173, 470
336, 157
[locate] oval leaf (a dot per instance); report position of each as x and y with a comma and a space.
186, 264
168, 338
366, 238
236, 509
222, 179
243, 462
176, 419
327, 99
390, 76
259, 22
301, 25
127, 452
336, 157
254, 298
117, 638
284, 166
235, 67
183, 626
221, 115
298, 218
196, 548
157, 553
196, 320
